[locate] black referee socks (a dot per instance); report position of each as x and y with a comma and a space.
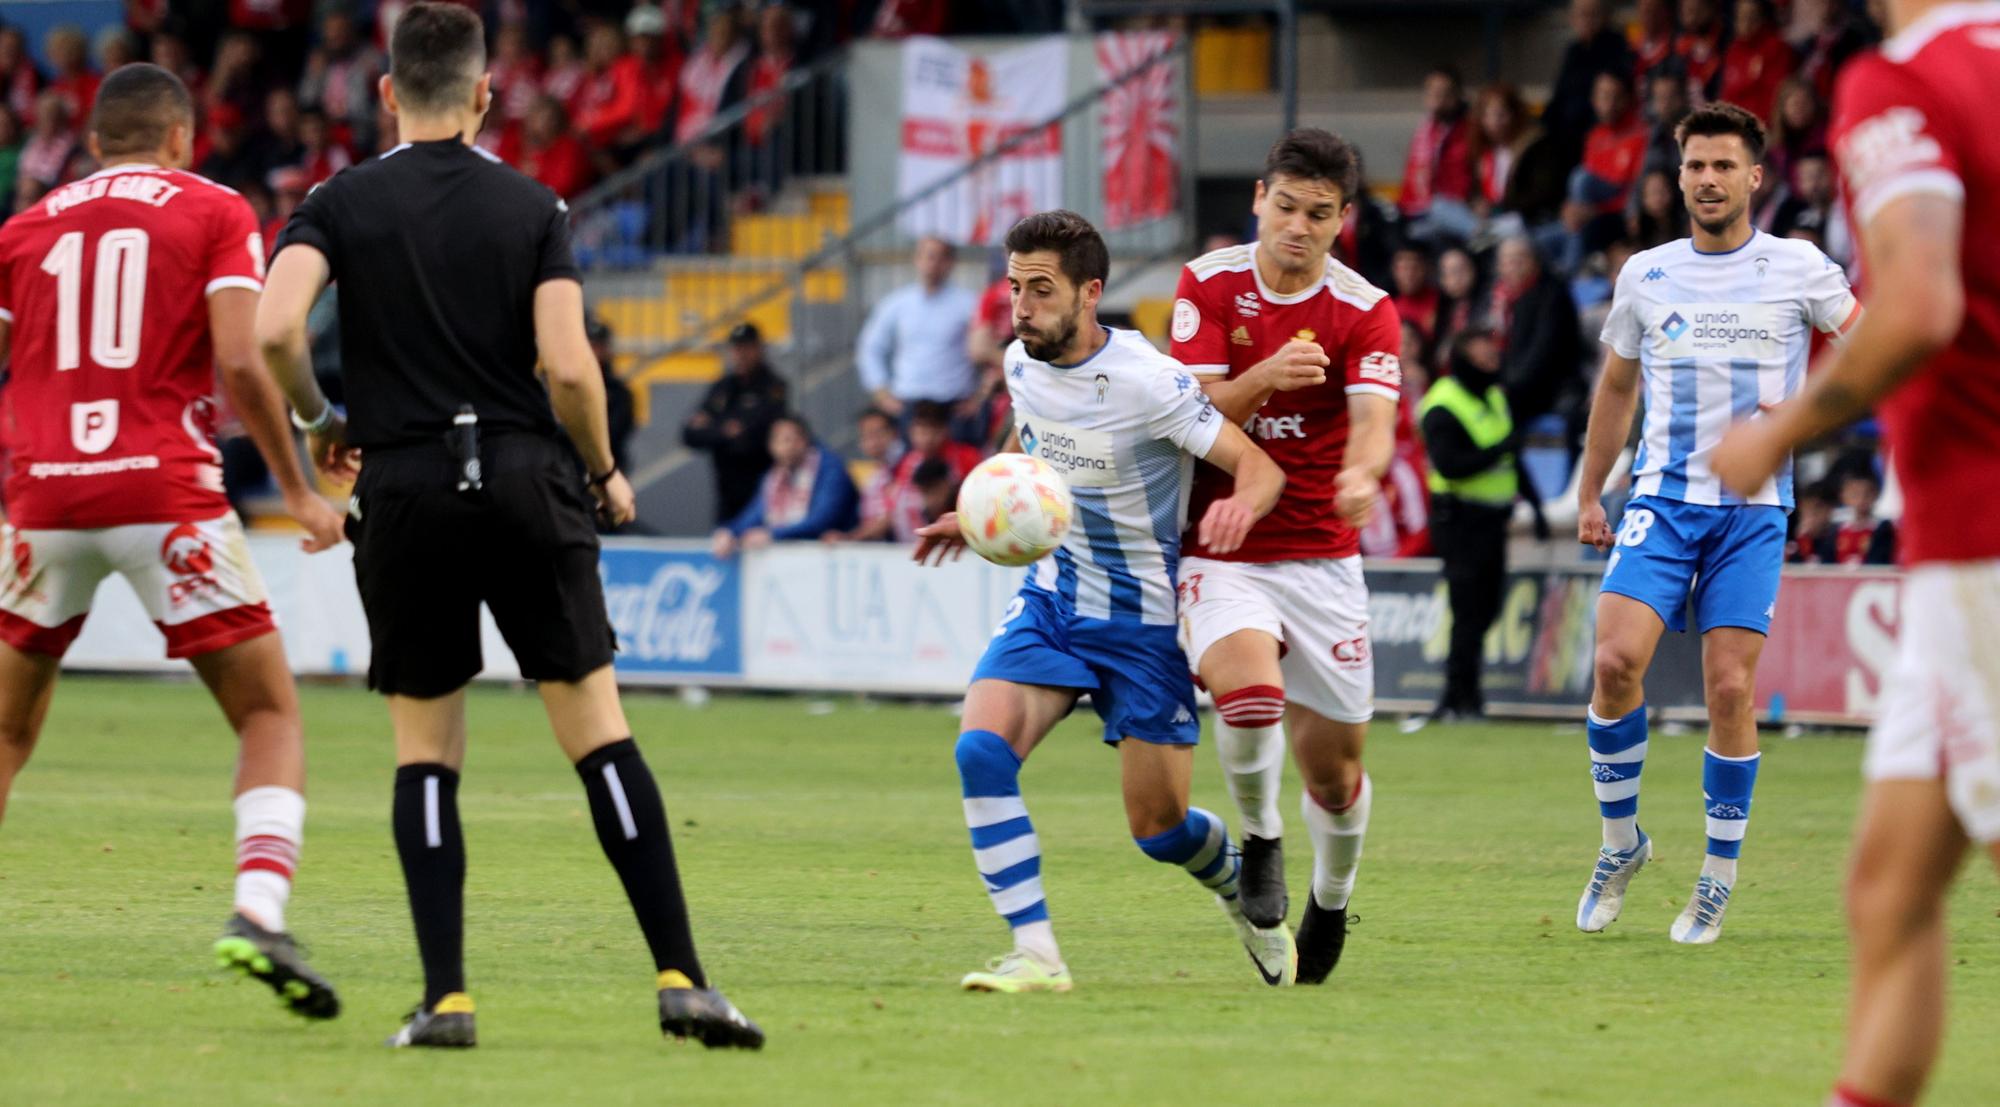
632, 827
433, 852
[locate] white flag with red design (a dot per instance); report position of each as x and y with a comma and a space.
1140, 129
959, 107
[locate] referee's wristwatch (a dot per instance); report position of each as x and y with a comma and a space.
597, 482
314, 426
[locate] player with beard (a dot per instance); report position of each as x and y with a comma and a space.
1122, 422
1708, 330
1278, 628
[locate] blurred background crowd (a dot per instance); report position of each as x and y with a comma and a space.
1499, 234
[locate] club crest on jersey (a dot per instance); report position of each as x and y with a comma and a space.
93, 426
1307, 334
1103, 386
1762, 264
1240, 336
1248, 305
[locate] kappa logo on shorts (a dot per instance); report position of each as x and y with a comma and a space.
186, 555
1181, 714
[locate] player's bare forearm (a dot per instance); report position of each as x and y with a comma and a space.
576, 384
250, 390
1611, 413
1371, 434
1915, 309
1259, 481
298, 275
1238, 399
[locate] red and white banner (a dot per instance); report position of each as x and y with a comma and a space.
1832, 643
959, 106
1140, 133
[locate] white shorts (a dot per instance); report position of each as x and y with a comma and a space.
195, 580
1939, 716
1317, 610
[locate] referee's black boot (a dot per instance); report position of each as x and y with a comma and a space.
703, 1014
447, 1024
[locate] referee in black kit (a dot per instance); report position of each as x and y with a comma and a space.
455, 277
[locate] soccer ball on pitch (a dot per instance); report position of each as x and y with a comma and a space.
1013, 509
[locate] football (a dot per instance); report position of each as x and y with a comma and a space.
1013, 509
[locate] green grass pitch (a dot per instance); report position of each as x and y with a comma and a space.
836, 902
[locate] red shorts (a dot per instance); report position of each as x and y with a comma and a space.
195, 580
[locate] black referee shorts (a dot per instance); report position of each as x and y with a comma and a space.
426, 555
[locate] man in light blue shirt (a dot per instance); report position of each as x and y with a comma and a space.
913, 346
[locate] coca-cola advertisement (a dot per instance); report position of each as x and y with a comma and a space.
676, 613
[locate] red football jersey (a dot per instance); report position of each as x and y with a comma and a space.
108, 412
1912, 118
1226, 321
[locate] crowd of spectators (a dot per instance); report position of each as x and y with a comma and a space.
286, 93
1515, 223
1502, 241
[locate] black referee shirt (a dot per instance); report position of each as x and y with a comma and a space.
437, 248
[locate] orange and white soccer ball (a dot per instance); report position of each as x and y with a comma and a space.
1013, 509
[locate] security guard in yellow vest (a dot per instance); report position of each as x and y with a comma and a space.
1471, 442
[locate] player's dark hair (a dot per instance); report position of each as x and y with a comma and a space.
796, 420
1079, 249
1311, 154
868, 413
1722, 118
930, 412
136, 106
436, 55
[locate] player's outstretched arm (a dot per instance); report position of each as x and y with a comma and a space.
298, 275
576, 391
1916, 306
1259, 482
232, 314
1611, 412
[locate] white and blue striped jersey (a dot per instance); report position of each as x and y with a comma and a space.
1123, 427
1717, 337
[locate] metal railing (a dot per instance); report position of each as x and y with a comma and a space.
829, 288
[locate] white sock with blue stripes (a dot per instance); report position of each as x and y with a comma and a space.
1004, 845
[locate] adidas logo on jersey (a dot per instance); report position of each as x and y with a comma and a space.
1240, 336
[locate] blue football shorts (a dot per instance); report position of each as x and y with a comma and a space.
1136, 674
1730, 557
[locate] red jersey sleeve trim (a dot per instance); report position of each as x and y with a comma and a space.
1931, 181
220, 283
